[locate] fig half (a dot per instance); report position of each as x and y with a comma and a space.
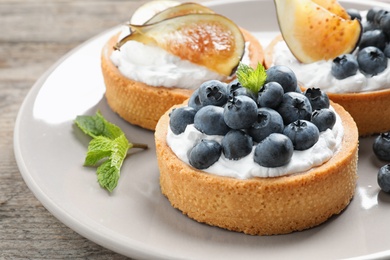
313, 32
209, 40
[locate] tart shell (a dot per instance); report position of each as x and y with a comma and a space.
261, 206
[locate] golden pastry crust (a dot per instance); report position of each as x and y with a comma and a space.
370, 110
141, 104
261, 206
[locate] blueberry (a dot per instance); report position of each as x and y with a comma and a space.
379, 15
236, 144
213, 92
209, 120
318, 99
369, 26
385, 24
354, 14
234, 88
180, 117
194, 101
381, 146
294, 106
344, 66
204, 154
240, 112
376, 38
372, 13
270, 95
372, 61
323, 118
274, 151
284, 76
268, 121
384, 178
303, 134
387, 50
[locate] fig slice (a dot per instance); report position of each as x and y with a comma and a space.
209, 40
313, 33
178, 10
334, 7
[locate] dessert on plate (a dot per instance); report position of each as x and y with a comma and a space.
159, 59
345, 56
257, 155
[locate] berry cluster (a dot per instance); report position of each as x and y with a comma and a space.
373, 51
275, 121
381, 148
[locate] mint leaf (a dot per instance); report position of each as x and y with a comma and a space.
108, 176
97, 126
109, 147
109, 172
252, 79
99, 148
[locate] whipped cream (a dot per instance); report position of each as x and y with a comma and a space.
318, 74
327, 146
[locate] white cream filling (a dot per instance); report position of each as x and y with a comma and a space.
156, 67
318, 74
327, 146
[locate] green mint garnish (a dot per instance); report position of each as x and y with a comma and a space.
110, 144
252, 79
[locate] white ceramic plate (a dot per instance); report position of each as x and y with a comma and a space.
136, 220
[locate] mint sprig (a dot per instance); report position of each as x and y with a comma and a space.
252, 79
108, 146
